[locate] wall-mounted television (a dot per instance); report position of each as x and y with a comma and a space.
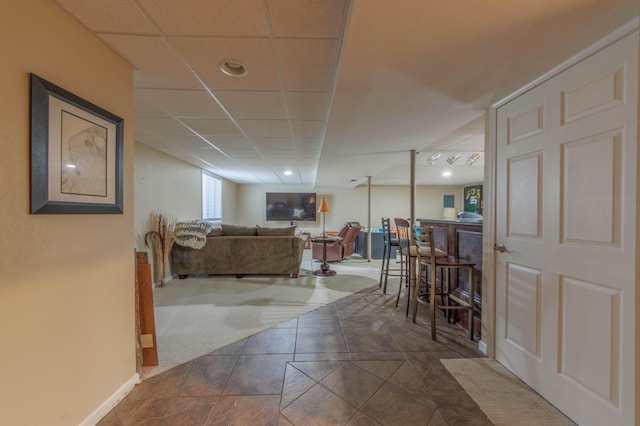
290, 206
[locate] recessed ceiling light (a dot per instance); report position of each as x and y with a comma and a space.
446, 173
233, 68
288, 172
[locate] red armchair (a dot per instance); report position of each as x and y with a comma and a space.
340, 249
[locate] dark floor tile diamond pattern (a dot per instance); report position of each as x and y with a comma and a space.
358, 361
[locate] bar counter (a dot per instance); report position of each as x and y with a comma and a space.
461, 238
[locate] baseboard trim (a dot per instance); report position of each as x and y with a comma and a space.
111, 402
482, 346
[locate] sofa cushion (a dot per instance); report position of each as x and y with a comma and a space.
215, 232
276, 232
239, 230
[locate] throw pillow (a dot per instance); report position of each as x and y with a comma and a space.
278, 232
192, 234
239, 230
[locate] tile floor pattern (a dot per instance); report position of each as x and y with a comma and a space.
357, 361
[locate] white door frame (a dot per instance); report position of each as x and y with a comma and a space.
488, 342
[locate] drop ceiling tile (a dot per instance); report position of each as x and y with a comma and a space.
243, 154
266, 175
307, 64
206, 54
182, 103
275, 154
307, 170
308, 143
307, 105
114, 16
207, 165
212, 126
273, 143
177, 142
160, 125
207, 17
265, 128
247, 105
155, 64
309, 154
226, 143
144, 107
211, 156
306, 17
307, 128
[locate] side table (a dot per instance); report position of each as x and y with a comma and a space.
324, 270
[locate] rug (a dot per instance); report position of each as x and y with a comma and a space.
200, 314
504, 398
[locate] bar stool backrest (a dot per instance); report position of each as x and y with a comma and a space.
404, 235
386, 233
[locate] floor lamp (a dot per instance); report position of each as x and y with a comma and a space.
324, 209
324, 268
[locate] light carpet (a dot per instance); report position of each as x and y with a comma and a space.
504, 398
200, 314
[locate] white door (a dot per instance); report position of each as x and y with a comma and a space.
566, 213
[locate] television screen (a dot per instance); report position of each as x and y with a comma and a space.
298, 206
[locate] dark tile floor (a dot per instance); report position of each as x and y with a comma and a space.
357, 361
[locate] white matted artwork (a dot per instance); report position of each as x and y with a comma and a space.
76, 153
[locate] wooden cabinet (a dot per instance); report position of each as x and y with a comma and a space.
463, 240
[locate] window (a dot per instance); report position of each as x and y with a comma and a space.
211, 197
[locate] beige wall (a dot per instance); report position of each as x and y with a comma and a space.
169, 185
164, 184
348, 204
67, 338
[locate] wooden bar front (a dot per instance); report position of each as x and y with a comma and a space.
463, 240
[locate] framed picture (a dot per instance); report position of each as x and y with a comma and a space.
76, 154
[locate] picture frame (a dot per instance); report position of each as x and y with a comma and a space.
76, 153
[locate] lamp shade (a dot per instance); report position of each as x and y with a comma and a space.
324, 207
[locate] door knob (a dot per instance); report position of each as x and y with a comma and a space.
500, 247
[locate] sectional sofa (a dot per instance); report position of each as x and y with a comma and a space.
241, 250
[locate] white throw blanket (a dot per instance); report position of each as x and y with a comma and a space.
193, 233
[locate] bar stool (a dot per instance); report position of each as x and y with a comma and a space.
408, 256
389, 244
433, 258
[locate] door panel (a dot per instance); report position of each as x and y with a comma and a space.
579, 325
566, 160
591, 169
525, 196
524, 288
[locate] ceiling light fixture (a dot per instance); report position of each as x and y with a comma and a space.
453, 158
288, 172
233, 68
473, 158
433, 158
446, 173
